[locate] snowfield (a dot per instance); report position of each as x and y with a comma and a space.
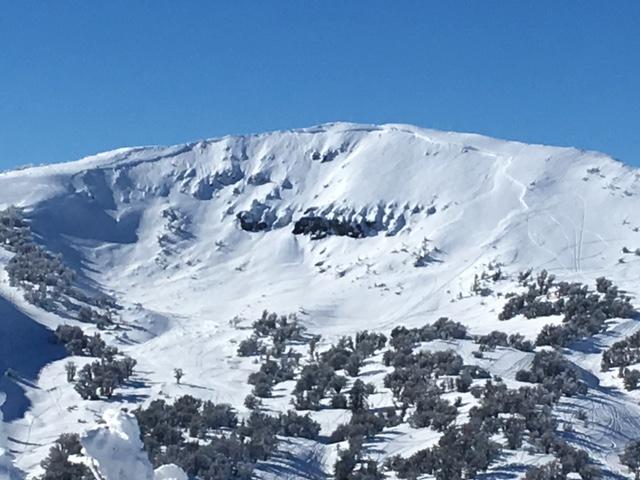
195, 241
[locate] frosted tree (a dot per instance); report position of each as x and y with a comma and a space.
631, 458
71, 370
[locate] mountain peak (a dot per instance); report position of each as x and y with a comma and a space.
351, 227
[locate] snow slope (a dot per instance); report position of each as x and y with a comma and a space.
7, 470
161, 229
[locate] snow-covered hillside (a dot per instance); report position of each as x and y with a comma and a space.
351, 227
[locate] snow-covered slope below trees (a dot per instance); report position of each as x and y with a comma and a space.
7, 470
350, 226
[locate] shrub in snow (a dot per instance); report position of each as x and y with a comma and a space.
58, 465
349, 354
460, 453
252, 402
631, 457
623, 353
293, 425
414, 374
76, 342
442, 329
71, 369
518, 342
584, 311
364, 424
358, 395
339, 400
631, 378
351, 464
555, 372
315, 381
520, 414
225, 449
178, 374
250, 347
100, 378
493, 340
433, 411
500, 339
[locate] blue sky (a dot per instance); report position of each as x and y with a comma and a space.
78, 77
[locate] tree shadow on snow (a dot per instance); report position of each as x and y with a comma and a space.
26, 347
306, 465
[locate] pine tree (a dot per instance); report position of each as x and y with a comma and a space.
358, 396
631, 458
71, 370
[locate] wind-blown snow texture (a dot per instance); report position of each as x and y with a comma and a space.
115, 448
189, 237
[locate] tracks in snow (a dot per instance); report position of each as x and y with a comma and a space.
523, 188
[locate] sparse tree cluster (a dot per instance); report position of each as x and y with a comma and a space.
220, 454
415, 374
349, 356
433, 411
46, 281
623, 353
271, 334
520, 414
76, 342
207, 440
460, 453
353, 465
404, 339
316, 381
420, 378
291, 424
482, 284
272, 372
57, 465
209, 443
631, 458
100, 378
584, 311
551, 369
363, 424
630, 377
500, 339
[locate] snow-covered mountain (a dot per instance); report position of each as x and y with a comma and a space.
351, 227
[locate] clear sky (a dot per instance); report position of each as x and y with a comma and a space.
78, 77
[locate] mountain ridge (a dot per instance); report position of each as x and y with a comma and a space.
92, 159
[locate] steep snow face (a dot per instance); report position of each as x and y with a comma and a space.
222, 212
351, 226
115, 449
